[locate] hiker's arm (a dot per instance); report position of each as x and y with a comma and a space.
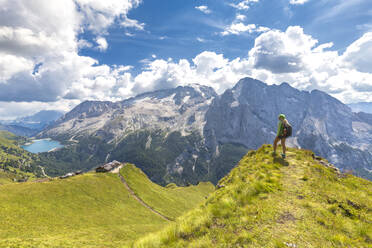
279, 129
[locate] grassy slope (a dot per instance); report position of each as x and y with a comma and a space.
171, 201
268, 202
13, 175
14, 159
90, 210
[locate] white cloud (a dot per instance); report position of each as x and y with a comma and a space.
130, 23
12, 110
359, 54
239, 27
240, 17
243, 5
200, 39
291, 56
281, 52
102, 43
38, 34
84, 44
129, 34
99, 15
34, 34
204, 9
298, 2
206, 68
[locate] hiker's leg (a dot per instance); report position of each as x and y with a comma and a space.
276, 143
283, 145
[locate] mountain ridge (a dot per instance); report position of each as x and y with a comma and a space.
205, 125
266, 201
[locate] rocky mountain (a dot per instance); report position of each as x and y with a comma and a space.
361, 107
18, 130
189, 133
160, 131
181, 109
32, 124
247, 115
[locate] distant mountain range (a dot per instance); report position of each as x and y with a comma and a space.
31, 125
361, 107
190, 134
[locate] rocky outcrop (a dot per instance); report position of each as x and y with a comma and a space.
71, 174
109, 166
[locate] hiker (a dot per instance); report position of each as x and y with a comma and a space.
284, 131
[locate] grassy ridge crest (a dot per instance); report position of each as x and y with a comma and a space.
269, 202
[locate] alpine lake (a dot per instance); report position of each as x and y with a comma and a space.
42, 145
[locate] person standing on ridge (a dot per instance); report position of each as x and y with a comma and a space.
284, 130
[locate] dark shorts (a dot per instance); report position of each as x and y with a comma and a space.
281, 137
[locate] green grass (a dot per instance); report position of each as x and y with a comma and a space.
12, 175
90, 210
15, 162
170, 201
270, 202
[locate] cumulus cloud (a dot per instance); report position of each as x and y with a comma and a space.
243, 5
130, 23
102, 43
282, 52
298, 2
295, 57
237, 27
359, 54
97, 16
39, 45
204, 9
240, 17
40, 62
290, 56
207, 68
200, 39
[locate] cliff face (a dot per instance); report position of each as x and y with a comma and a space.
247, 115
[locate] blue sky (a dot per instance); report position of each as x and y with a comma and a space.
173, 27
114, 49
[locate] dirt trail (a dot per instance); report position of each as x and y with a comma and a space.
43, 171
140, 200
294, 187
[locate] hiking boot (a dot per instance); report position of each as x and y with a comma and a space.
283, 155
273, 154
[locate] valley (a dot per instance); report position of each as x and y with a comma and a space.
90, 210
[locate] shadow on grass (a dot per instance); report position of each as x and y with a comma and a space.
280, 161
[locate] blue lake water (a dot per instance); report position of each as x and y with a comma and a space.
42, 145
